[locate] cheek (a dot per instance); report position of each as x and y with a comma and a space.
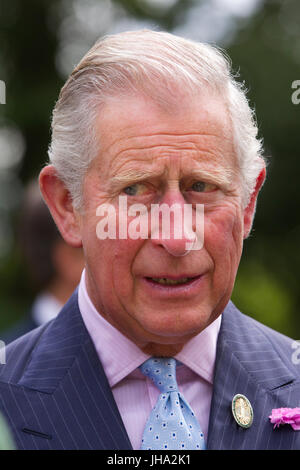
110, 259
112, 262
223, 234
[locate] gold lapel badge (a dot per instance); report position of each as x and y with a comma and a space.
242, 411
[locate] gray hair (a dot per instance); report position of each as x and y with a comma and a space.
148, 61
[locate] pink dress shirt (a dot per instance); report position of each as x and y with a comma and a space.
135, 394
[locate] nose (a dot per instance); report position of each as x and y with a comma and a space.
172, 224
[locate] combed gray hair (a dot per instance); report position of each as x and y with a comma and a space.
151, 62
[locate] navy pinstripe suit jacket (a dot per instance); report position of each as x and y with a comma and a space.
55, 395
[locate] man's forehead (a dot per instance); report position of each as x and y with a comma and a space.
138, 120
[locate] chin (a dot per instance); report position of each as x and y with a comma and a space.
182, 327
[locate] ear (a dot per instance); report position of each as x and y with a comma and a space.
59, 201
250, 209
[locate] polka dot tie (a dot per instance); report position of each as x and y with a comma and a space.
172, 423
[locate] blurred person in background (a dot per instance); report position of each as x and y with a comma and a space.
54, 266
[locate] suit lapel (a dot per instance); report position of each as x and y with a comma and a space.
248, 364
63, 399
74, 398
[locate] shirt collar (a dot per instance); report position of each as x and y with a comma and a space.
120, 356
199, 353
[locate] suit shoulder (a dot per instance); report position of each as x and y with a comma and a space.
18, 354
257, 333
278, 338
18, 329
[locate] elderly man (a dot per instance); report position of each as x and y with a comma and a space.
149, 352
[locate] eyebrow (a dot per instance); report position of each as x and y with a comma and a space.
220, 176
132, 176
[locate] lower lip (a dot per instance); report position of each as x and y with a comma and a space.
189, 288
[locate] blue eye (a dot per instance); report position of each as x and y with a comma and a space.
199, 186
137, 189
202, 187
130, 190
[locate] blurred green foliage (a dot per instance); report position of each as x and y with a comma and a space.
266, 53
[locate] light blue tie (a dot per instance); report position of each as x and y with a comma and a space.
172, 423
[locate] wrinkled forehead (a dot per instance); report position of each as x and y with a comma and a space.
137, 118
142, 140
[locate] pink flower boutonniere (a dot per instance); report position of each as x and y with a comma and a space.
286, 416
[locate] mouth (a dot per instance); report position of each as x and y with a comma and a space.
172, 282
174, 288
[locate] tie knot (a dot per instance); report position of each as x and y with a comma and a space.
162, 370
